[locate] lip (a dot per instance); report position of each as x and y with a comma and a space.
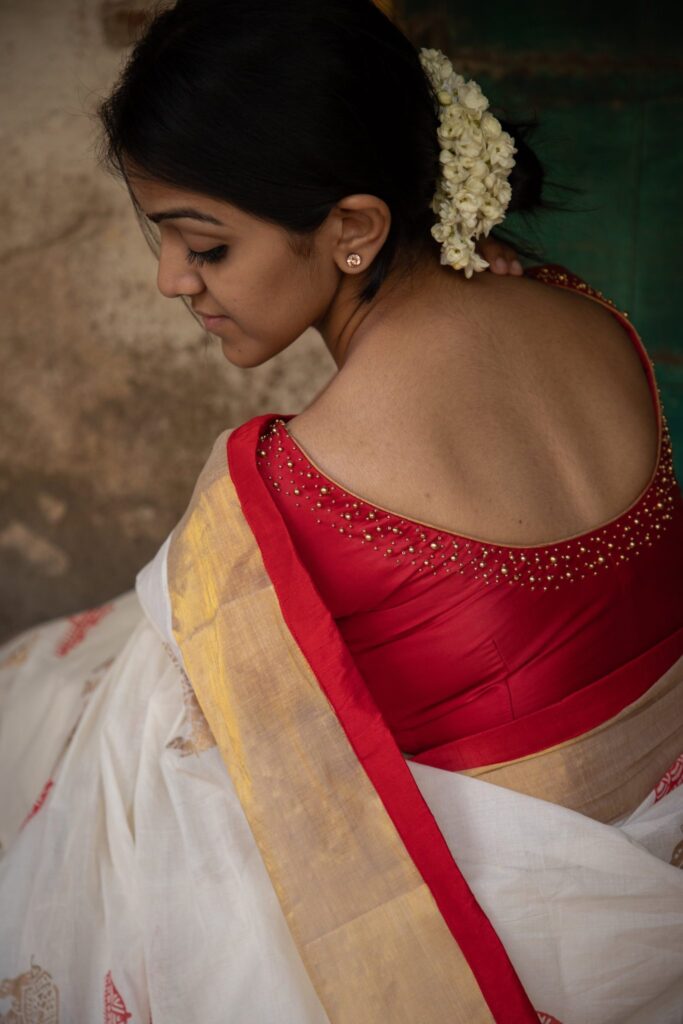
209, 320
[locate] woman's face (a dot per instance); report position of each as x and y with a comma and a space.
239, 269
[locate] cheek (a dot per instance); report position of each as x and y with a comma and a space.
272, 295
286, 295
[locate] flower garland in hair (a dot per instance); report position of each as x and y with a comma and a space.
472, 192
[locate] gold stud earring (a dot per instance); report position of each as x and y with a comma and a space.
354, 260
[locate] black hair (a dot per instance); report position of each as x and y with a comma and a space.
282, 108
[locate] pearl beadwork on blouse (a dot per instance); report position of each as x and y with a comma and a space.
429, 549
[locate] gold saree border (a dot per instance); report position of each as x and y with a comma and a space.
608, 771
365, 922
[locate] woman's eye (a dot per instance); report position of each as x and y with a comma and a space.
207, 255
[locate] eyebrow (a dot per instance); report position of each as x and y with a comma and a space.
184, 211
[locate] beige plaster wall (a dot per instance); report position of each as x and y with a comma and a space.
111, 395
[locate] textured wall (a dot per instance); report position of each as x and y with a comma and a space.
111, 394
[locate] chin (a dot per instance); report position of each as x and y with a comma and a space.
247, 358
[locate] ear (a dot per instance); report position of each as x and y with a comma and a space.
361, 224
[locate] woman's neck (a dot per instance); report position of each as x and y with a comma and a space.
348, 325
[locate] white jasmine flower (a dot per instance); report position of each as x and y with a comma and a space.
472, 192
466, 202
467, 146
471, 97
492, 209
475, 185
458, 255
447, 213
477, 168
440, 232
476, 263
475, 134
490, 126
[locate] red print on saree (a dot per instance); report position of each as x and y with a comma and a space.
115, 1011
670, 780
39, 802
79, 627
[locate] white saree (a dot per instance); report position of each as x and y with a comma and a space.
132, 888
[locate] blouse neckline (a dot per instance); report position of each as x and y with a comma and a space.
451, 534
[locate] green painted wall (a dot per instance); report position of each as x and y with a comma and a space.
605, 81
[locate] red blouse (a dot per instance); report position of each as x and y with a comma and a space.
475, 652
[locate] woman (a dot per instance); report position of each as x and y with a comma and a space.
416, 766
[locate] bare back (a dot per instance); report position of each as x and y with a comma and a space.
522, 416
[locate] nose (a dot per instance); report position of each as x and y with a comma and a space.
174, 275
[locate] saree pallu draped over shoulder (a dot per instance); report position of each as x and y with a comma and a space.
378, 906
383, 919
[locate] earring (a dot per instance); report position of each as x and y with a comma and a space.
354, 260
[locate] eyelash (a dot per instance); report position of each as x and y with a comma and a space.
207, 256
